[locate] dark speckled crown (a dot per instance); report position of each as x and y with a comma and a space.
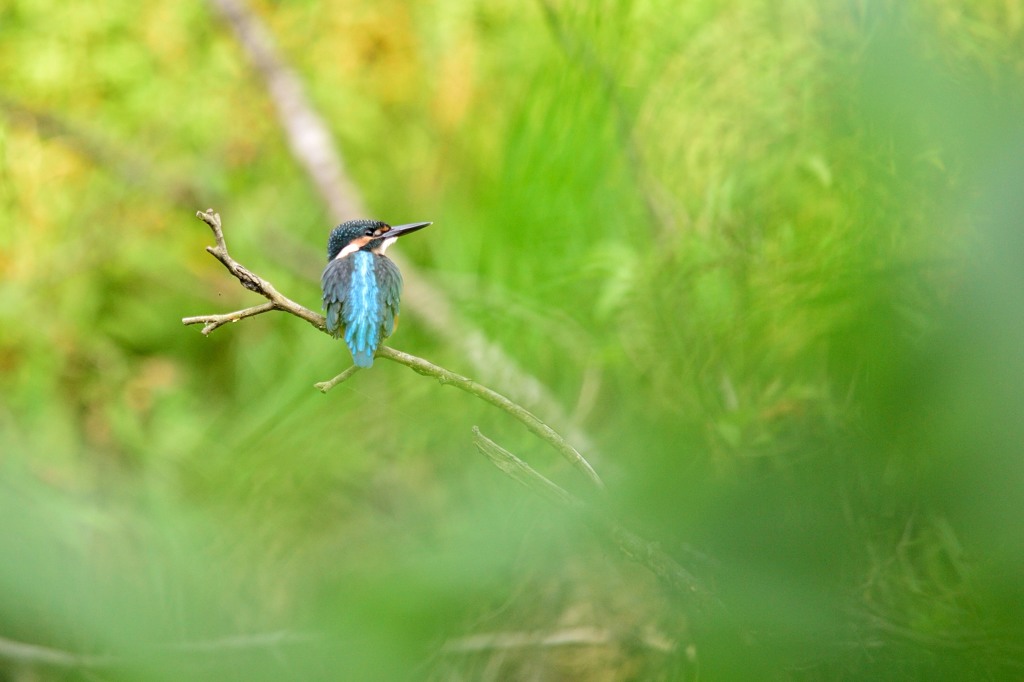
343, 234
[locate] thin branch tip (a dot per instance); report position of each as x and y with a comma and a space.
212, 218
209, 216
325, 386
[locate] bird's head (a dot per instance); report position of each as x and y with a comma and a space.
367, 235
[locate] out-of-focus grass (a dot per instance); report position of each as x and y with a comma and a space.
767, 253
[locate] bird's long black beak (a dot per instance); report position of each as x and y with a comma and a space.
400, 230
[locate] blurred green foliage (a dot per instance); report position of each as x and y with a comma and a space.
770, 255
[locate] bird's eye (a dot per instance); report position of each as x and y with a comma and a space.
368, 233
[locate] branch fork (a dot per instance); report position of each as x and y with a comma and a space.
251, 281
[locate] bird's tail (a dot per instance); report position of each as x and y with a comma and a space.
363, 358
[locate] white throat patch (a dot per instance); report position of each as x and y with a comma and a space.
385, 244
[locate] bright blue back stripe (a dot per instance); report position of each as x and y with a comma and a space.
362, 310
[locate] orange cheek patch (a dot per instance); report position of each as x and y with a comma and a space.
353, 246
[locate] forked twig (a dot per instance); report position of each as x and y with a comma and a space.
250, 281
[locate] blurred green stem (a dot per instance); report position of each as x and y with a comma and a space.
634, 547
35, 655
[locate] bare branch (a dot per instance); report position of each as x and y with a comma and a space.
449, 378
528, 419
250, 281
214, 321
634, 547
523, 473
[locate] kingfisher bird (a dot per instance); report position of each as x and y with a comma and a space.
361, 285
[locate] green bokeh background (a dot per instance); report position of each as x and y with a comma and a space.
768, 256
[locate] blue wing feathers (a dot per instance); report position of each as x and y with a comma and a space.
335, 284
361, 293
